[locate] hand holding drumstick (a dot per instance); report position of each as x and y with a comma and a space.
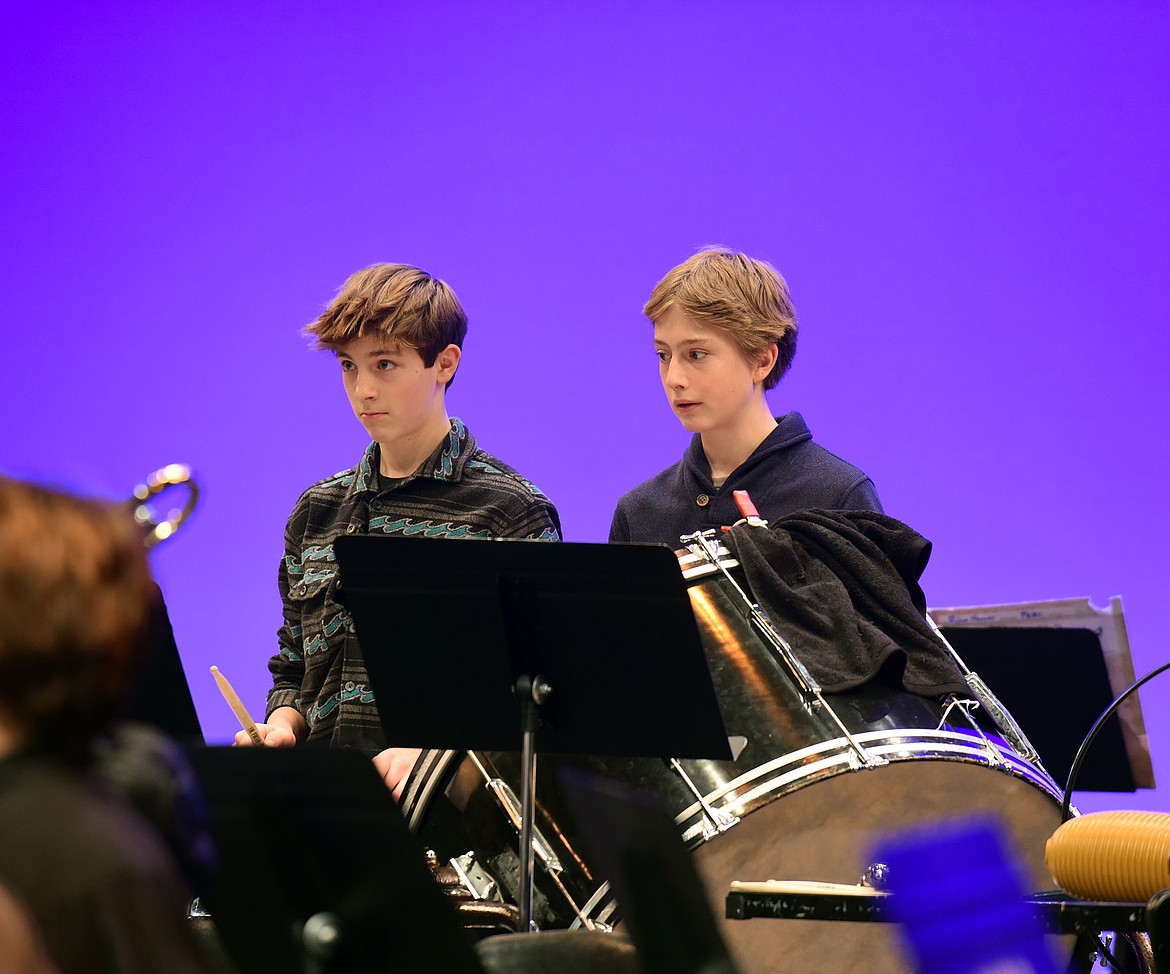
393, 764
285, 725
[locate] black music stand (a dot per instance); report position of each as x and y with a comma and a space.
1055, 684
160, 695
317, 870
496, 645
636, 842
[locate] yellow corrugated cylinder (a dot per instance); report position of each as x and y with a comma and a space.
1118, 856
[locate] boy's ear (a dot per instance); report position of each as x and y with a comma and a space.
448, 362
765, 361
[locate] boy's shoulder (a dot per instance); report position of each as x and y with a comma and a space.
513, 506
656, 491
484, 469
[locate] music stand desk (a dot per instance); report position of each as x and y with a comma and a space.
447, 630
530, 646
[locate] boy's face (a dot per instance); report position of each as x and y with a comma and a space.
709, 382
394, 395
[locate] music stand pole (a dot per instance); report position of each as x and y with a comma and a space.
545, 617
531, 692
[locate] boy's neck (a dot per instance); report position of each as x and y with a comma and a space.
402, 457
727, 449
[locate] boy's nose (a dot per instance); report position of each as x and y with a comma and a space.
363, 386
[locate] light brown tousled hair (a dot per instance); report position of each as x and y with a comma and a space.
75, 598
398, 302
745, 298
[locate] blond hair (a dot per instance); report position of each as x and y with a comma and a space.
746, 298
399, 302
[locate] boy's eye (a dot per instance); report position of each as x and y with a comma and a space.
662, 356
698, 354
385, 364
346, 365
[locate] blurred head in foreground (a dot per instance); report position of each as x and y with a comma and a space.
75, 592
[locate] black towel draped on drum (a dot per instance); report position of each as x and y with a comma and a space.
843, 589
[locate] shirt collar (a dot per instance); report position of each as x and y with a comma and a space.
445, 463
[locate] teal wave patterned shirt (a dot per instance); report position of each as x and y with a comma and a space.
459, 492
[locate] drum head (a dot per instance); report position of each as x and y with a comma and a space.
826, 832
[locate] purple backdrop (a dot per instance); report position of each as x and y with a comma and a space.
969, 201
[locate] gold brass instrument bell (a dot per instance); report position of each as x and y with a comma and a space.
143, 504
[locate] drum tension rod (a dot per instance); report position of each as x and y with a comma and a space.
509, 803
809, 688
1012, 732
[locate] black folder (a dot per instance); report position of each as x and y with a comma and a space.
311, 834
1055, 684
447, 628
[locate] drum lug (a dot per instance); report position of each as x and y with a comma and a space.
860, 758
715, 820
475, 879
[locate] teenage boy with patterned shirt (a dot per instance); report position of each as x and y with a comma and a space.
397, 333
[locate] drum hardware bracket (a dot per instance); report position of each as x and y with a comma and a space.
966, 708
507, 800
475, 878
1007, 725
511, 805
715, 820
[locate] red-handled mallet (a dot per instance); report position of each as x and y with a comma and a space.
747, 509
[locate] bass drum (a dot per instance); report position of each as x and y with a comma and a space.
810, 791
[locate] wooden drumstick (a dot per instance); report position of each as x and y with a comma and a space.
237, 706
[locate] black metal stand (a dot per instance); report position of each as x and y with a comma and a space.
531, 692
1055, 913
563, 648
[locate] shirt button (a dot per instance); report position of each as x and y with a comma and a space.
350, 528
702, 500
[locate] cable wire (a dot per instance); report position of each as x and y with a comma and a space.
1083, 750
